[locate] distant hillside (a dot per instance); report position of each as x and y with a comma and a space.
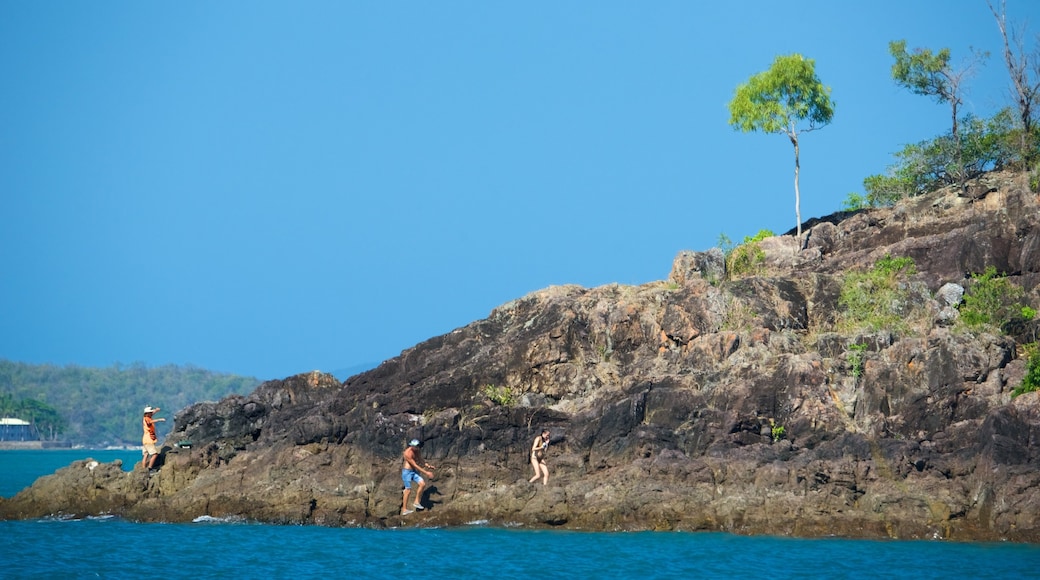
102, 406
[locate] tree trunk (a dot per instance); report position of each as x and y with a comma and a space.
797, 194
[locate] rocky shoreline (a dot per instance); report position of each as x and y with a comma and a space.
701, 402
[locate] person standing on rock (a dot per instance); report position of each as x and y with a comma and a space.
414, 464
149, 452
538, 450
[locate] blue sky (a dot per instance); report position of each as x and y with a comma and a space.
268, 188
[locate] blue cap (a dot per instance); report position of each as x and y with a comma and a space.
414, 443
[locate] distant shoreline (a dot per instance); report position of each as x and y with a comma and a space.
54, 445
21, 444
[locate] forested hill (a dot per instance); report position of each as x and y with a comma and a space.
103, 406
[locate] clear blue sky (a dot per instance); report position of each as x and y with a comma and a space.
268, 188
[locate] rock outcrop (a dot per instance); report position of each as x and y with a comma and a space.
695, 403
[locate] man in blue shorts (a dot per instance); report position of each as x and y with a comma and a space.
414, 464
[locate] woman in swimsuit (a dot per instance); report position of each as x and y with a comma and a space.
541, 443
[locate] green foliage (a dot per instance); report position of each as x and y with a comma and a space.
725, 244
761, 235
102, 406
786, 99
922, 71
926, 73
776, 100
876, 299
989, 144
855, 359
48, 422
854, 201
503, 396
1031, 382
747, 258
777, 430
886, 190
980, 146
991, 300
890, 267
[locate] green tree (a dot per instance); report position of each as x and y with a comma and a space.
47, 421
786, 99
923, 72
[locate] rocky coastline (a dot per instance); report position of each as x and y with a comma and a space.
701, 402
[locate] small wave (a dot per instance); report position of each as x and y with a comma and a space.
61, 518
215, 520
477, 523
101, 517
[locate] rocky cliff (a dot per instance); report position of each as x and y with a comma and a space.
709, 401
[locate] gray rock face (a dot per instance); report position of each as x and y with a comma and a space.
700, 403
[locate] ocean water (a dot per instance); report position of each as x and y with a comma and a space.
209, 548
20, 467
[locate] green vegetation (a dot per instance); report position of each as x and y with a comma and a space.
747, 258
102, 406
930, 74
777, 430
503, 396
854, 201
982, 145
48, 422
991, 301
855, 359
1031, 382
972, 146
789, 93
778, 100
876, 299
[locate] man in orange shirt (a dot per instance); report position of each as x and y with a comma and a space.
149, 452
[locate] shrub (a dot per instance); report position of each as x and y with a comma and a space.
854, 201
885, 190
876, 299
855, 359
991, 300
1031, 382
503, 396
748, 257
982, 145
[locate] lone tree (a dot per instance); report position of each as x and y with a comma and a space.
784, 99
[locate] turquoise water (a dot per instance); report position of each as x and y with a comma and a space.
112, 548
20, 467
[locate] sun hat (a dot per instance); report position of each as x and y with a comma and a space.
150, 409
